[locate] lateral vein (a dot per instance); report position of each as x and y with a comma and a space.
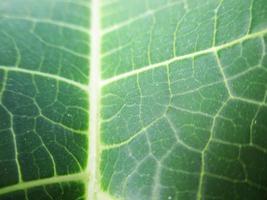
42, 182
182, 57
49, 21
44, 74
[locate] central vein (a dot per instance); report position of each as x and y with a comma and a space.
94, 99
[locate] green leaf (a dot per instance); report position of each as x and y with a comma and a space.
133, 99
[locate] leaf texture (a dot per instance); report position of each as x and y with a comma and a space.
129, 100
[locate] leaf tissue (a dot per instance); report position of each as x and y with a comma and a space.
133, 99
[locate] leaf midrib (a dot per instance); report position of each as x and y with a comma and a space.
94, 101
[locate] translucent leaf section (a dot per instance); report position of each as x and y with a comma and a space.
184, 99
44, 111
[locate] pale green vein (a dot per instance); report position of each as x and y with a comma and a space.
46, 181
70, 154
223, 74
175, 35
48, 152
245, 72
59, 47
178, 58
235, 181
127, 141
71, 130
156, 186
152, 27
18, 56
191, 111
49, 21
250, 16
114, 116
44, 74
202, 168
198, 89
113, 51
14, 137
215, 23
94, 101
250, 101
3, 85
134, 19
178, 139
12, 132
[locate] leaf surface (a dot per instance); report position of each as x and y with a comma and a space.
128, 100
